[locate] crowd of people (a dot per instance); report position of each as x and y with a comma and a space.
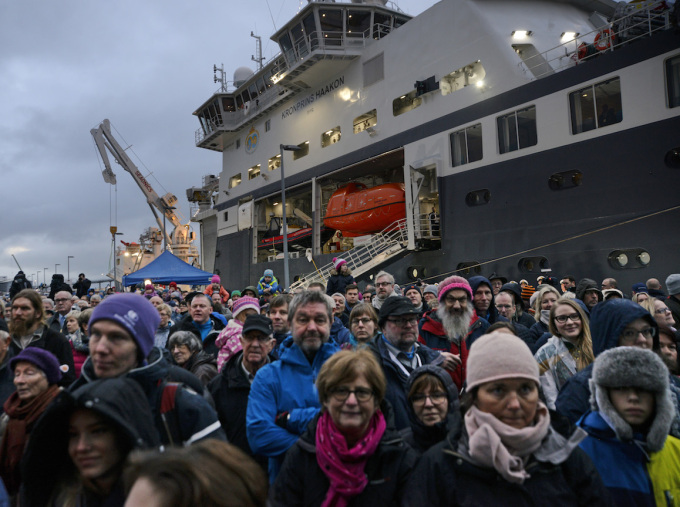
477, 391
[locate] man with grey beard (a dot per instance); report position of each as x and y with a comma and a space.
447, 328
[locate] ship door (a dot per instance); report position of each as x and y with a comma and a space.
425, 202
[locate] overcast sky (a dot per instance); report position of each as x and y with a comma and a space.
146, 65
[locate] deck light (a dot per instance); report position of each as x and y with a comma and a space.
568, 36
521, 34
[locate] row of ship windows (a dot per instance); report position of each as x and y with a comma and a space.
593, 107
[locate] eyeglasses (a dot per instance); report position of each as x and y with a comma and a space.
629, 335
574, 317
462, 300
662, 311
436, 398
403, 321
363, 321
360, 393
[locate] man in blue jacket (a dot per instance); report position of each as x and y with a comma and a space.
283, 398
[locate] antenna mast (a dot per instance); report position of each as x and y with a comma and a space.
258, 50
222, 79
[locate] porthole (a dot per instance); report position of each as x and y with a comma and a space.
630, 258
478, 197
565, 179
533, 265
415, 272
672, 158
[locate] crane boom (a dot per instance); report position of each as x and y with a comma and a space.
105, 141
182, 237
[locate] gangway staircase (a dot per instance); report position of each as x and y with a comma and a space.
390, 242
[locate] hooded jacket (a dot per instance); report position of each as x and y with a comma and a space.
607, 322
492, 315
193, 418
432, 334
18, 284
584, 285
337, 282
203, 366
419, 436
397, 377
286, 385
303, 483
46, 462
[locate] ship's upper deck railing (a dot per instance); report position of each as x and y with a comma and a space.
629, 23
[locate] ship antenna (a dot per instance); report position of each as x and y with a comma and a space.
222, 79
258, 51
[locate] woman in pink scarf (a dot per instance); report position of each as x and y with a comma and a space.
506, 453
351, 454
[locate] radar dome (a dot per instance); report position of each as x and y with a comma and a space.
241, 75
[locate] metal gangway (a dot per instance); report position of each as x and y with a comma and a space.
390, 242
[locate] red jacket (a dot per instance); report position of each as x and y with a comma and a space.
433, 335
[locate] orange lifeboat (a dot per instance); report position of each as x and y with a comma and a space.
356, 210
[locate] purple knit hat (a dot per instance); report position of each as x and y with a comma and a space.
243, 303
43, 359
215, 279
453, 282
134, 312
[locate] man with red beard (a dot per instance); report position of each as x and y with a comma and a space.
447, 328
28, 329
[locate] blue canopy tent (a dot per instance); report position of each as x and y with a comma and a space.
168, 268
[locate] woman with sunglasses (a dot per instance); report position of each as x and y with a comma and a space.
568, 350
350, 454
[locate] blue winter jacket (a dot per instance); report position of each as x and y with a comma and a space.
286, 385
273, 285
339, 333
607, 322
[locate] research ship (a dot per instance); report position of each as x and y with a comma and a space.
529, 137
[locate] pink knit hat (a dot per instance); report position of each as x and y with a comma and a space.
498, 356
215, 279
243, 303
453, 282
337, 263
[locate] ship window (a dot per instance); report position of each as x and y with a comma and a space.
228, 104
331, 26
274, 162
565, 179
631, 258
226, 216
466, 145
358, 23
260, 86
374, 70
310, 31
254, 172
533, 265
673, 81
235, 181
517, 130
246, 96
253, 91
239, 101
382, 25
596, 106
287, 48
299, 41
473, 73
405, 103
398, 21
302, 152
267, 125
331, 136
268, 78
365, 121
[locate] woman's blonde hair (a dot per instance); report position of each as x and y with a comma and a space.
539, 299
583, 351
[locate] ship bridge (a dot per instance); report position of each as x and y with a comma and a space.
313, 44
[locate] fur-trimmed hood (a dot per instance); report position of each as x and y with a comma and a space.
335, 272
633, 367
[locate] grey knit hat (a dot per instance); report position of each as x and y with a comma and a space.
633, 367
673, 284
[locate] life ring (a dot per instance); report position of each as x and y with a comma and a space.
603, 39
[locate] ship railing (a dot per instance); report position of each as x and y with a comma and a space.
629, 23
384, 245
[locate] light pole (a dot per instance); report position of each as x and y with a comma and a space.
165, 234
38, 277
114, 233
55, 268
286, 274
45, 275
68, 268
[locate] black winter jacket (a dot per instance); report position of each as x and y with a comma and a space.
230, 390
447, 476
187, 324
302, 483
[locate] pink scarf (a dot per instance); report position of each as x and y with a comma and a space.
345, 467
495, 444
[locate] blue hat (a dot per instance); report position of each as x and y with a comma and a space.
268, 272
135, 313
43, 359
